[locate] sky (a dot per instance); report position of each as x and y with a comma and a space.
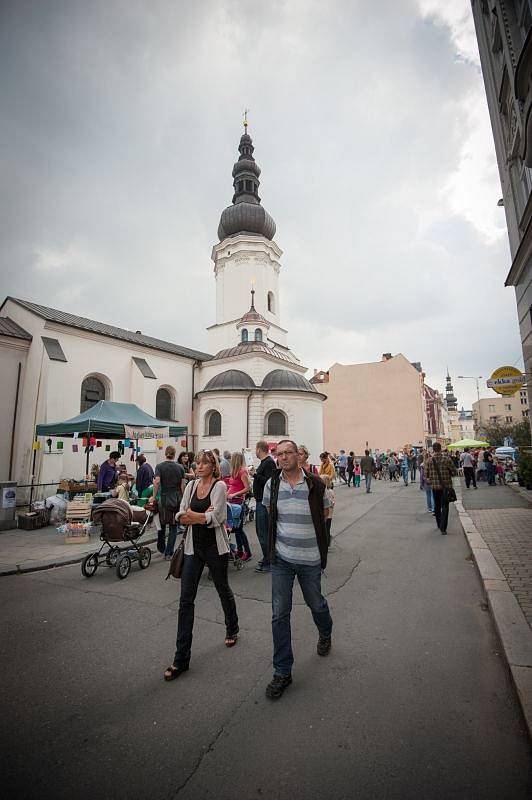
120, 125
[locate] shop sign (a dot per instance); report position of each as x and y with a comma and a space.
506, 380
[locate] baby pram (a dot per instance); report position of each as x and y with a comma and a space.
120, 523
234, 512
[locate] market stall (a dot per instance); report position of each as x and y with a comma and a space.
124, 423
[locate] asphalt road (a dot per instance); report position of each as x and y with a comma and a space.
414, 700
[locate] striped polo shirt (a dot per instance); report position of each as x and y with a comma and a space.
296, 538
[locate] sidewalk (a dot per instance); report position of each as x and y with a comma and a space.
497, 522
30, 551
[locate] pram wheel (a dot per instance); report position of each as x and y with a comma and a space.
251, 514
144, 557
123, 567
89, 565
112, 555
239, 564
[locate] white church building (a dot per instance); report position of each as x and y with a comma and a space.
56, 364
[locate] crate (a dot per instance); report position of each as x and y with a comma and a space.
76, 534
78, 511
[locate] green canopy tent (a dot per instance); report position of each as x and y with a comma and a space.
108, 420
466, 443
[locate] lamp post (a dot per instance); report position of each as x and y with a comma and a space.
472, 378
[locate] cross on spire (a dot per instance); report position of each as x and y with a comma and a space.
246, 111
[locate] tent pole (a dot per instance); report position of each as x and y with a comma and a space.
33, 468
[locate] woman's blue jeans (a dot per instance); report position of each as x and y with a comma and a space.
309, 577
430, 499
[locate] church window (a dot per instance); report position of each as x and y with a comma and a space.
240, 186
163, 404
92, 391
213, 423
271, 302
276, 424
244, 336
258, 335
248, 186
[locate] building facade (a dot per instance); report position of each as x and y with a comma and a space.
503, 29
379, 405
501, 410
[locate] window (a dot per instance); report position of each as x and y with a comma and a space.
213, 423
525, 413
248, 186
92, 391
276, 424
244, 336
508, 419
271, 302
258, 335
507, 406
163, 404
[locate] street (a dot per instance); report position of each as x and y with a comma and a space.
414, 700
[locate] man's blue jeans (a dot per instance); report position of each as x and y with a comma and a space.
367, 477
309, 578
170, 544
261, 526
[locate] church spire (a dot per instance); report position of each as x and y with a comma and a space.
246, 215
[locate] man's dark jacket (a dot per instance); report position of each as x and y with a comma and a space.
316, 490
261, 477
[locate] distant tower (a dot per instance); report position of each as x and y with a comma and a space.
246, 255
450, 400
451, 404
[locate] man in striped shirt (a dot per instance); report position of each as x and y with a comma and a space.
297, 508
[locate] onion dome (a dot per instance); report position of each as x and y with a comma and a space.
246, 215
286, 381
230, 379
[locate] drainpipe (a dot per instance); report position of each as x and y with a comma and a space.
192, 434
14, 422
247, 419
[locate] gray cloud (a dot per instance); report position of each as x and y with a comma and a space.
119, 128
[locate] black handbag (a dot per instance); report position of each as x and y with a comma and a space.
449, 494
175, 569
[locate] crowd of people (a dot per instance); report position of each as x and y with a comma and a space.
203, 496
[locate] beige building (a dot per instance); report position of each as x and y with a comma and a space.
500, 410
378, 405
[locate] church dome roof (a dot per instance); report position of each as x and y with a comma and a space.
252, 317
230, 379
285, 380
246, 215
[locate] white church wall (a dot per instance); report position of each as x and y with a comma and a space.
304, 417
233, 410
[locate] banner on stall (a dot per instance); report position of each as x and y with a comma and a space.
146, 433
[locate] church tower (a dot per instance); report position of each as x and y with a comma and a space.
246, 257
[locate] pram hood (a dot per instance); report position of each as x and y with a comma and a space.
118, 507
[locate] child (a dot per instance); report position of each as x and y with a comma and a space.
329, 492
122, 489
358, 473
500, 472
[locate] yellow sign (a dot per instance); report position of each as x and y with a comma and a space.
506, 380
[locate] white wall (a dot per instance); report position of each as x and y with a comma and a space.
12, 353
239, 261
52, 390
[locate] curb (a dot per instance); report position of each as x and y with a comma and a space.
525, 493
512, 628
39, 566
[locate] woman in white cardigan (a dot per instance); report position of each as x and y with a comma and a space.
204, 511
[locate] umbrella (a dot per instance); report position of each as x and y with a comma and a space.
466, 443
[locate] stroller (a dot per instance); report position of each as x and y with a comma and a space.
120, 523
234, 514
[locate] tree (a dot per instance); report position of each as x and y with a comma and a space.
518, 432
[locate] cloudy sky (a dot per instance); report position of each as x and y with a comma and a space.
119, 128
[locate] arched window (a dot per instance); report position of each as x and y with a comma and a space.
271, 302
163, 404
258, 335
276, 424
244, 335
213, 423
92, 391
